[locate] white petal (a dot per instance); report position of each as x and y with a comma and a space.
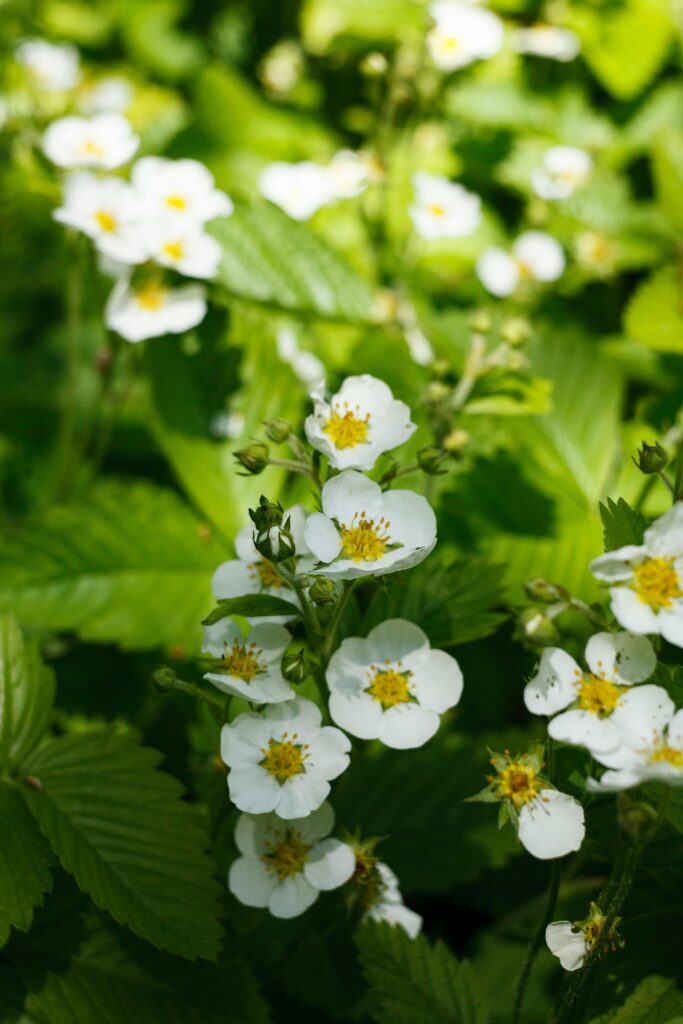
316, 825
349, 493
675, 734
393, 640
671, 623
328, 752
617, 565
498, 272
642, 713
567, 944
631, 612
665, 536
615, 781
397, 914
584, 729
541, 253
554, 685
330, 864
255, 832
361, 715
438, 681
300, 715
322, 537
253, 790
411, 517
292, 896
407, 726
300, 795
251, 882
243, 739
552, 825
621, 657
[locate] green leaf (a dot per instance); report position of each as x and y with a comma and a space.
412, 982
26, 694
668, 171
112, 981
129, 563
275, 261
121, 828
250, 605
622, 524
655, 1001
654, 315
451, 600
25, 860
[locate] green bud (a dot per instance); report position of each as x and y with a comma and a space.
430, 460
515, 330
480, 321
437, 392
322, 591
296, 666
635, 817
374, 65
456, 442
253, 458
164, 678
277, 430
538, 628
543, 590
652, 458
267, 514
440, 367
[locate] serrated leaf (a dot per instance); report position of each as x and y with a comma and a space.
121, 828
622, 524
654, 316
412, 982
129, 563
275, 261
26, 694
25, 862
250, 606
655, 1001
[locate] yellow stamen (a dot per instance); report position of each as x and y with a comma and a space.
288, 857
599, 696
365, 540
390, 687
656, 582
151, 295
347, 430
243, 662
90, 148
267, 574
284, 759
519, 783
105, 220
174, 250
436, 209
667, 755
176, 202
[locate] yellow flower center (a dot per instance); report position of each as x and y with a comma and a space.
519, 783
243, 662
288, 857
593, 927
151, 295
525, 271
347, 430
91, 148
283, 759
390, 687
267, 574
174, 250
656, 582
105, 220
599, 696
450, 43
436, 209
668, 755
176, 202
365, 540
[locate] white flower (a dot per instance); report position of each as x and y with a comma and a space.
305, 365
390, 906
347, 173
282, 760
392, 686
364, 531
110, 94
646, 580
462, 34
443, 209
565, 168
548, 41
285, 864
250, 667
357, 424
535, 256
106, 210
151, 308
181, 187
177, 242
51, 67
647, 754
566, 943
601, 702
104, 141
298, 189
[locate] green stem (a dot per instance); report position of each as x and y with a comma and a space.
537, 941
66, 443
217, 706
297, 467
333, 624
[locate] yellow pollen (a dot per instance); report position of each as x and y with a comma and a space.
105, 220
599, 696
390, 687
365, 540
668, 755
450, 43
524, 269
519, 783
347, 430
656, 582
288, 857
90, 148
243, 662
267, 574
284, 759
436, 210
174, 250
151, 295
176, 202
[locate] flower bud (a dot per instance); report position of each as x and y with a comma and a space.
374, 65
254, 458
515, 330
164, 678
538, 628
267, 514
322, 591
480, 321
635, 818
430, 460
296, 666
437, 392
652, 458
543, 590
456, 442
275, 543
277, 430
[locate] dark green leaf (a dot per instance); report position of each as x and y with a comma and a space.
655, 1001
251, 605
26, 694
622, 524
25, 860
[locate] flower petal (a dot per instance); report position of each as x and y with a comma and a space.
292, 896
631, 612
552, 825
330, 864
322, 537
359, 714
438, 681
642, 713
253, 790
584, 729
407, 726
300, 795
616, 565
566, 943
251, 882
554, 685
621, 657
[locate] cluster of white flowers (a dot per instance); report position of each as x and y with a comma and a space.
389, 685
535, 256
301, 189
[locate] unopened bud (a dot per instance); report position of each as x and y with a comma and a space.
456, 442
652, 458
480, 321
296, 666
322, 591
437, 392
538, 628
515, 330
543, 590
267, 514
277, 430
276, 543
164, 678
430, 460
253, 458
440, 367
374, 65
635, 817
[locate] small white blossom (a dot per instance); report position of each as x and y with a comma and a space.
104, 141
391, 685
443, 209
180, 187
299, 189
286, 864
251, 666
283, 759
347, 174
307, 367
646, 580
646, 754
565, 168
462, 33
363, 531
357, 424
106, 210
112, 94
566, 943
175, 241
150, 309
52, 67
548, 41
390, 906
535, 256
602, 703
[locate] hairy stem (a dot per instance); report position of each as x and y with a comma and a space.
537, 941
